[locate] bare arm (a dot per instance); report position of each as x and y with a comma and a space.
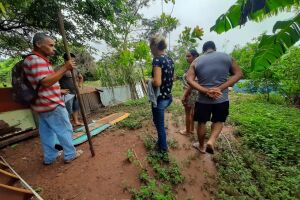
157, 76
53, 78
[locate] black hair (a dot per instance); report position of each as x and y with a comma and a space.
66, 56
194, 53
208, 45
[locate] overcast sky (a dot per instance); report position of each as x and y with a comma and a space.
204, 13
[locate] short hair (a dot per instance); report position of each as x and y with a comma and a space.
158, 41
194, 53
66, 56
39, 37
208, 45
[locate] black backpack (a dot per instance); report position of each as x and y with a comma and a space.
23, 92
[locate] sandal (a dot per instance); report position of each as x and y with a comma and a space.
183, 132
196, 146
209, 149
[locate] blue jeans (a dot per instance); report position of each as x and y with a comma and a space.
52, 125
72, 105
159, 121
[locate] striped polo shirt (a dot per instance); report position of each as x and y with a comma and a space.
36, 68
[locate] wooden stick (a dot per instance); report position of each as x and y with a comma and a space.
22, 180
63, 33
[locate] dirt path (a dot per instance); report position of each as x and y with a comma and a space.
108, 174
199, 169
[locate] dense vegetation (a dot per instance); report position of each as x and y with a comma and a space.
282, 77
264, 164
262, 161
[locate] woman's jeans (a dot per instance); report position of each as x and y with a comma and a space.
159, 122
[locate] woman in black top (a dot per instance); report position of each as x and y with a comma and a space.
162, 78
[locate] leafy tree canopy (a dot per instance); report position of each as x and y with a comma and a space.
84, 21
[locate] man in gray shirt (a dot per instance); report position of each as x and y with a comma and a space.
215, 72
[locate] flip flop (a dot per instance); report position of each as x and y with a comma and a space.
183, 132
196, 146
209, 149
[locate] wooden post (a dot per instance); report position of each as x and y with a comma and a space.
63, 33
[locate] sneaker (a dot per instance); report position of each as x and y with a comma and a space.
49, 163
59, 153
78, 153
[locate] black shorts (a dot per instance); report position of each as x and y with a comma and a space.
211, 112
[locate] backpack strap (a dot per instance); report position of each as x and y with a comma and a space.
39, 83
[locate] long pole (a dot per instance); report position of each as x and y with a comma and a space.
63, 33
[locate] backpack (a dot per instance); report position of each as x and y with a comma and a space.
22, 92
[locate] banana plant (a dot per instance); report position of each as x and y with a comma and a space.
271, 47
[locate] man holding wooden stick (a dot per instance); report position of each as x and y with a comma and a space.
53, 116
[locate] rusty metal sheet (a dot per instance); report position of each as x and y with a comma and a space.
6, 101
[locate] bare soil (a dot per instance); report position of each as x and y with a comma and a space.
106, 175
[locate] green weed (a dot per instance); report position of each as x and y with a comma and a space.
266, 163
167, 174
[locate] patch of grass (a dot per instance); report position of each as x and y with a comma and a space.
137, 102
270, 129
246, 177
151, 189
92, 83
167, 175
265, 164
139, 111
130, 155
173, 144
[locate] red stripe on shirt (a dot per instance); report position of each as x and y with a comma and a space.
51, 88
42, 73
49, 104
36, 65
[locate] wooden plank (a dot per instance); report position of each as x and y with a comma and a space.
3, 165
7, 178
24, 184
13, 193
18, 138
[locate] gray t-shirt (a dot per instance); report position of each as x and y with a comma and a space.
212, 69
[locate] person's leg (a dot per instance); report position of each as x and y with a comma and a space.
154, 118
75, 113
47, 137
63, 129
216, 128
202, 113
188, 120
201, 129
219, 114
192, 128
69, 106
159, 114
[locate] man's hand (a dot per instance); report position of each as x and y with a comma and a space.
70, 64
64, 91
214, 93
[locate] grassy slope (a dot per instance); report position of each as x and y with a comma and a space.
266, 161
